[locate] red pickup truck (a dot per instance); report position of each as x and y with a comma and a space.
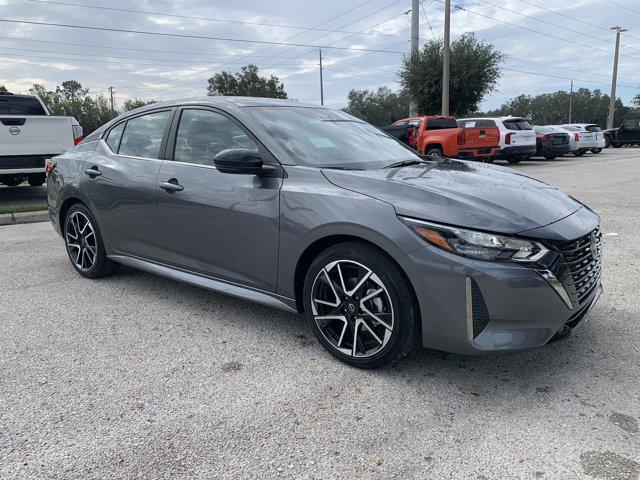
441, 136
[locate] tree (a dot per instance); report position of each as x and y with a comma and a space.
474, 73
636, 100
246, 83
71, 99
380, 107
553, 108
3, 89
133, 103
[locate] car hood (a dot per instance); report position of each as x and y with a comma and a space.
465, 194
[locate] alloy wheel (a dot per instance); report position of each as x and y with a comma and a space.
352, 308
81, 241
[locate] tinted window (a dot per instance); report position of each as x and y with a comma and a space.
593, 128
631, 124
113, 139
143, 135
544, 130
441, 123
517, 125
202, 134
21, 106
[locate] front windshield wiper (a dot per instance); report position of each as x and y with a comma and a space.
406, 163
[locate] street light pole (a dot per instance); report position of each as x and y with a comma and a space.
321, 85
446, 57
415, 39
614, 78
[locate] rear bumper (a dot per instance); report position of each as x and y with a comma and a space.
517, 151
477, 152
23, 164
554, 149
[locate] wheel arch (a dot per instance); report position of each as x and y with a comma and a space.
432, 145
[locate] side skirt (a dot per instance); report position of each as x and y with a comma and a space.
258, 296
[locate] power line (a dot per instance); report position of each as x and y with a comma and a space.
564, 78
458, 7
547, 22
209, 19
426, 17
291, 37
175, 61
624, 6
178, 35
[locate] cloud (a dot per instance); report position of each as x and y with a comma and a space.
146, 66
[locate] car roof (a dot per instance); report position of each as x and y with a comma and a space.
231, 101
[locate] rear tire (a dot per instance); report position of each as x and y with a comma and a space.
596, 150
434, 152
361, 306
579, 153
84, 244
11, 181
514, 160
607, 141
37, 180
550, 157
615, 145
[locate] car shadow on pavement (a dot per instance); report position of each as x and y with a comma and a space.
540, 369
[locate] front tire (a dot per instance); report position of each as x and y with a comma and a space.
579, 153
360, 306
607, 141
36, 180
84, 244
514, 160
550, 157
596, 150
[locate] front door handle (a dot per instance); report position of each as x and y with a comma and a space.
171, 186
93, 172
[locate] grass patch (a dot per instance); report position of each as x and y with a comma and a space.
23, 208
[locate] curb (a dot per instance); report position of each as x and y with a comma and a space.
24, 217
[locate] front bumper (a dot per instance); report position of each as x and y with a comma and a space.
473, 307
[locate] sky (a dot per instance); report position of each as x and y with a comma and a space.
546, 43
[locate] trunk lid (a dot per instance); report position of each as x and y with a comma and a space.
35, 135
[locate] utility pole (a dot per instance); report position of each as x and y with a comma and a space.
614, 78
321, 86
113, 111
446, 58
570, 100
415, 43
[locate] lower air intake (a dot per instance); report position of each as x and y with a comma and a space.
477, 313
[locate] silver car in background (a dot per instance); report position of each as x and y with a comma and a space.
311, 210
597, 131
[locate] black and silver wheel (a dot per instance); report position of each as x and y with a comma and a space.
434, 152
360, 306
84, 244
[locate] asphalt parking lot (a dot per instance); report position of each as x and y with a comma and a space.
137, 376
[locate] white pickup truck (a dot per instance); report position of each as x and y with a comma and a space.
29, 136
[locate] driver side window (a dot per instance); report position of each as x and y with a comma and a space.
203, 133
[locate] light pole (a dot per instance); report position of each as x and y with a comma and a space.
446, 55
614, 77
570, 100
415, 39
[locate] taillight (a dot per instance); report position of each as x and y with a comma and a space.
507, 138
576, 137
49, 167
462, 136
78, 134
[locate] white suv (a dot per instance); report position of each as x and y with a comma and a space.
517, 137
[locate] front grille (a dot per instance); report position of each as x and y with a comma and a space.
581, 266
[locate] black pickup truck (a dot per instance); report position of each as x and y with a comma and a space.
626, 134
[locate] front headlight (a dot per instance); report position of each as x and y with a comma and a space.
478, 245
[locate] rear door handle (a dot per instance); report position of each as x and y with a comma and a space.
171, 186
93, 172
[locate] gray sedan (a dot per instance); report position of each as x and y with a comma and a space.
311, 210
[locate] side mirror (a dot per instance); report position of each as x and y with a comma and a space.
239, 161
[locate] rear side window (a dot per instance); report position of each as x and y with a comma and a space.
441, 123
517, 125
143, 135
21, 106
631, 124
113, 139
593, 128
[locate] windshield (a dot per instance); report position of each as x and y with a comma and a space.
323, 138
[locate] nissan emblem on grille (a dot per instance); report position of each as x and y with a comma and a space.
14, 131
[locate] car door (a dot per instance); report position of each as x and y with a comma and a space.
217, 224
629, 130
120, 181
